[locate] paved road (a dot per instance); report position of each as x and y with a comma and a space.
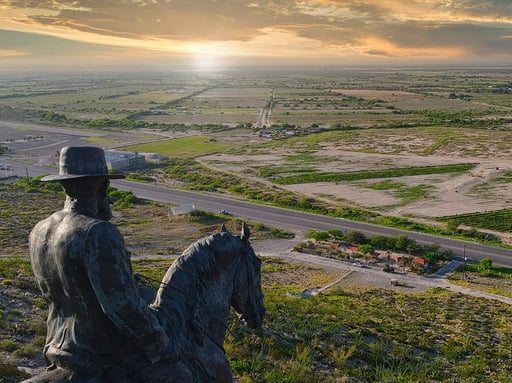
287, 219
303, 222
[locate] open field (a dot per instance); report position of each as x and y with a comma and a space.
320, 122
483, 187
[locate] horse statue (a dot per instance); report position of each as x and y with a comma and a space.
195, 296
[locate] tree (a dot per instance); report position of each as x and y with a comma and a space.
366, 248
356, 237
405, 243
406, 262
388, 267
383, 242
336, 234
318, 235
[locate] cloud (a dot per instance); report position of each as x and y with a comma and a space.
13, 53
36, 46
383, 28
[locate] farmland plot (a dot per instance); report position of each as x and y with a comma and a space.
427, 196
231, 106
364, 121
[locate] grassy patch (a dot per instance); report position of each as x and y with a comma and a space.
439, 143
21, 206
306, 157
410, 194
505, 178
280, 171
184, 147
386, 185
499, 220
384, 173
373, 336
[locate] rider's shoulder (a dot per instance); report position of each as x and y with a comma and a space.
84, 222
102, 226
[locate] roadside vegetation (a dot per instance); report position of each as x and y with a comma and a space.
355, 246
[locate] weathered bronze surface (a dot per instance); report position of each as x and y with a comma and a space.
99, 329
197, 292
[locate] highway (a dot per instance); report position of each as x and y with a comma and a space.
286, 219
302, 222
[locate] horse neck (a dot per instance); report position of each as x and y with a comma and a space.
205, 302
216, 299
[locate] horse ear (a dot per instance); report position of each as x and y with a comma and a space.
223, 228
246, 233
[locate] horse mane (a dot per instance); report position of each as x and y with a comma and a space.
199, 260
200, 255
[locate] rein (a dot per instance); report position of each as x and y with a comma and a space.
194, 358
202, 305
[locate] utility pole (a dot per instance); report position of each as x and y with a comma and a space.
465, 261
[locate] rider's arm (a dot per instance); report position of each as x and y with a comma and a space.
111, 278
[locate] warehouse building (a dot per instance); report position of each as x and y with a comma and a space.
119, 160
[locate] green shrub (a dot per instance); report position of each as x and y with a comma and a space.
8, 345
31, 185
283, 234
122, 199
318, 235
10, 374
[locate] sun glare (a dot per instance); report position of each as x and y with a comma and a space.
208, 57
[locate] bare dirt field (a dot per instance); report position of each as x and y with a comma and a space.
476, 190
410, 100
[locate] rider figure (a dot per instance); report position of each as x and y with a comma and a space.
99, 329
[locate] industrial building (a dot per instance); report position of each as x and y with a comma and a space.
119, 160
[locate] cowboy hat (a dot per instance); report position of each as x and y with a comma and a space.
81, 161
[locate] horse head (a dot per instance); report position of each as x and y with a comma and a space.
236, 253
247, 297
197, 293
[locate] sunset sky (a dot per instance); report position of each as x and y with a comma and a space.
209, 34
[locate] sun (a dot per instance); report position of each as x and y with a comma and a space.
208, 57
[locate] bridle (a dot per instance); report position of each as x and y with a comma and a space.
250, 282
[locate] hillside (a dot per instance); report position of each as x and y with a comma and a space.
350, 333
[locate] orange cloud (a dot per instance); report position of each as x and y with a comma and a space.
305, 29
12, 53
377, 47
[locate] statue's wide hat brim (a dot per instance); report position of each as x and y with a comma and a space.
81, 161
